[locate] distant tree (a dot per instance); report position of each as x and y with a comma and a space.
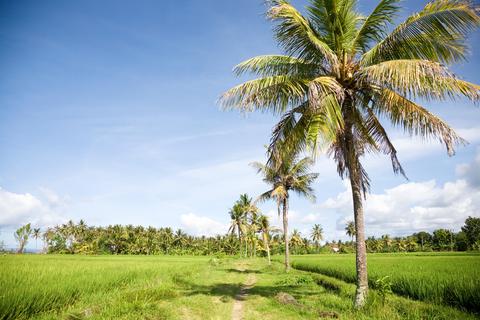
238, 223
21, 236
387, 242
350, 229
423, 238
472, 230
296, 239
442, 239
317, 235
286, 174
265, 228
36, 234
461, 241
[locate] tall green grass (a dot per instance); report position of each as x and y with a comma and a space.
450, 279
32, 284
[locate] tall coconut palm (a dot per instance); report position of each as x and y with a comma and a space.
350, 229
317, 235
344, 72
285, 175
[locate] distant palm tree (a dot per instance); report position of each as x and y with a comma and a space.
317, 235
283, 177
250, 211
344, 72
238, 222
36, 234
350, 229
265, 228
387, 241
21, 236
296, 239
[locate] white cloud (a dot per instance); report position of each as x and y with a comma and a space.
17, 208
415, 206
202, 226
471, 171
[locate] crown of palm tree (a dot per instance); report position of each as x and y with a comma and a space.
287, 175
317, 233
343, 73
350, 229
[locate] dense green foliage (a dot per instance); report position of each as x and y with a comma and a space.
449, 278
118, 239
250, 234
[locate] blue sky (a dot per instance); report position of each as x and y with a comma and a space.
108, 113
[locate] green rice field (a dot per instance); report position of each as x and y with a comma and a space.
448, 278
186, 287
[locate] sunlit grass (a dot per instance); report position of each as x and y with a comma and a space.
165, 287
451, 279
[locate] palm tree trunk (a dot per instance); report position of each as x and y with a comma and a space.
361, 250
246, 246
267, 246
285, 233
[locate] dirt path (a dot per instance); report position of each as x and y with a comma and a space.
237, 312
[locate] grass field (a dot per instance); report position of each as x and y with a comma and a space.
448, 278
162, 287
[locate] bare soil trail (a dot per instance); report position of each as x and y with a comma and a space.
237, 311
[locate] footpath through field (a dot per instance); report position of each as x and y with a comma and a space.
237, 311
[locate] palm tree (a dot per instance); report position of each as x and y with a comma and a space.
317, 235
237, 216
250, 213
21, 236
284, 176
350, 229
344, 71
296, 239
265, 228
36, 234
387, 241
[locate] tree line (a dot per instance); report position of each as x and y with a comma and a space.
250, 234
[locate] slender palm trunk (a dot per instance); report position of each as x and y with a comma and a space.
239, 240
267, 247
361, 250
285, 233
354, 172
246, 246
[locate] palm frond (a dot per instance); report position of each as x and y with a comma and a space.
374, 27
273, 93
414, 119
336, 22
277, 65
296, 35
436, 33
419, 78
379, 134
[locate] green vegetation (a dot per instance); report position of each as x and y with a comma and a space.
164, 287
448, 278
284, 177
